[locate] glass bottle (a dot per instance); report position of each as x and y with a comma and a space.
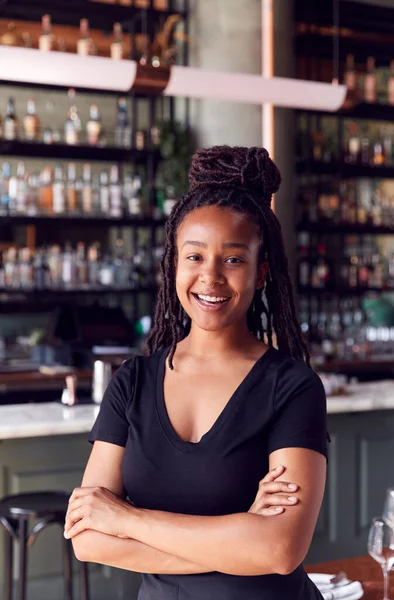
354, 144
104, 193
94, 126
93, 265
87, 196
85, 43
81, 266
11, 125
46, 192
72, 126
72, 199
370, 82
4, 189
107, 271
117, 46
31, 124
45, 41
350, 78
21, 190
390, 85
122, 128
115, 193
68, 268
59, 197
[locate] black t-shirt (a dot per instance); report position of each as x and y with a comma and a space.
280, 403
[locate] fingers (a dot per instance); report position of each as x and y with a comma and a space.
273, 474
278, 486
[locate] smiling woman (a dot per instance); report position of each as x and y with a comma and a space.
210, 432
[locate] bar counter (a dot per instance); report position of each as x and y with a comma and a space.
52, 418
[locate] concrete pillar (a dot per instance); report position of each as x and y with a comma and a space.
226, 36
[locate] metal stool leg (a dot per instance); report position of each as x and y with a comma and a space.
8, 564
22, 538
84, 580
67, 569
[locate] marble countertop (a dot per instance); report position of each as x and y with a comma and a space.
52, 418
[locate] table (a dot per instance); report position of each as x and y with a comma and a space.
361, 568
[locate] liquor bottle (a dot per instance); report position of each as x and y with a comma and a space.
320, 273
304, 270
378, 158
85, 43
72, 199
33, 186
365, 148
117, 46
370, 82
354, 144
12, 193
31, 124
115, 193
350, 78
11, 125
68, 267
390, 85
104, 193
72, 126
81, 266
94, 127
46, 192
59, 196
132, 194
93, 265
107, 271
46, 39
21, 189
4, 189
122, 129
87, 196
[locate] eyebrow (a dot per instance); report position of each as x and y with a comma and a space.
226, 245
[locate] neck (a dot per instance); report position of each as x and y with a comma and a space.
202, 343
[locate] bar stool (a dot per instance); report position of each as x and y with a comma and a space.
16, 511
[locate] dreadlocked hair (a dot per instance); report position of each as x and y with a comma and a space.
242, 180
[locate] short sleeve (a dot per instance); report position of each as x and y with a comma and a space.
300, 410
111, 424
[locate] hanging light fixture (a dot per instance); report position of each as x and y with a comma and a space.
26, 65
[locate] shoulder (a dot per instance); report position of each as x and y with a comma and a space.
294, 379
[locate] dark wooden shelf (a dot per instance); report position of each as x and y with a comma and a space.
78, 291
338, 365
326, 227
80, 152
99, 221
344, 170
362, 110
339, 290
100, 15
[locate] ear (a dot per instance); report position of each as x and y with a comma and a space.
262, 271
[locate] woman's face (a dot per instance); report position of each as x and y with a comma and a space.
217, 269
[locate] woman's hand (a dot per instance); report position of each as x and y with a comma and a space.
273, 496
96, 508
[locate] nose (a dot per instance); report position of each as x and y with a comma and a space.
211, 275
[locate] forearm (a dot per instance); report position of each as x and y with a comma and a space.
237, 544
132, 555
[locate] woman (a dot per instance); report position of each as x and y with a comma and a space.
190, 430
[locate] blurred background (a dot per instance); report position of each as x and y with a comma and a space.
90, 168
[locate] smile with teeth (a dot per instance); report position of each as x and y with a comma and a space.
211, 299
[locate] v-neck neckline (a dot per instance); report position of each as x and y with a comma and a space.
229, 407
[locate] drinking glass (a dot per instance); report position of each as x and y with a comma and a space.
381, 548
388, 510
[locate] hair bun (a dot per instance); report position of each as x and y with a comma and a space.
238, 166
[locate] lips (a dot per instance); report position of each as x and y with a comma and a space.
205, 304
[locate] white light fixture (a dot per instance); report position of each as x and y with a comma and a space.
26, 65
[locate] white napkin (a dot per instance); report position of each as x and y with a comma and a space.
349, 590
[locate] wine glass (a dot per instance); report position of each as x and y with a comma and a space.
388, 510
381, 548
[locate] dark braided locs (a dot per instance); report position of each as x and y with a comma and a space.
243, 180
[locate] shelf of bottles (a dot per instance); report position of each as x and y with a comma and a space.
79, 269
345, 230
